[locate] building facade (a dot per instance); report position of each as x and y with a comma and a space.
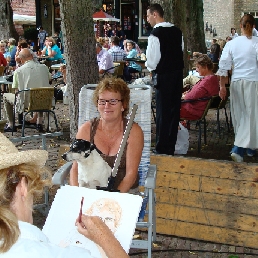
219, 15
222, 15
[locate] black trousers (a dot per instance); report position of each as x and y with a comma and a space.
168, 102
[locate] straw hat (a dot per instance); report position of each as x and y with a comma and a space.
10, 156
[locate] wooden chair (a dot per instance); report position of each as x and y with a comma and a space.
2, 70
219, 104
201, 119
40, 100
119, 69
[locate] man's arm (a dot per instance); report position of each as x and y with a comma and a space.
153, 54
15, 81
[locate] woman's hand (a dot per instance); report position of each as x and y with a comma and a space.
96, 230
223, 92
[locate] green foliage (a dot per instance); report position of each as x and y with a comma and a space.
31, 33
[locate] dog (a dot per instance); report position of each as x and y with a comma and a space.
93, 171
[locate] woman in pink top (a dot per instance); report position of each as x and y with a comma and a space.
208, 86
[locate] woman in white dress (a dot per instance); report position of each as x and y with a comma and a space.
241, 55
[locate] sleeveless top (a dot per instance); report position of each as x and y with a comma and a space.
111, 159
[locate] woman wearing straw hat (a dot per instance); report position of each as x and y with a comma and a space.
21, 176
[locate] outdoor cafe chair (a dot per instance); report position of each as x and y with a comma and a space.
40, 100
141, 96
218, 104
201, 120
119, 69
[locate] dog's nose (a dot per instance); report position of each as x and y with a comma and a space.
64, 156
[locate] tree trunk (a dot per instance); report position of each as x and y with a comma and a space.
80, 51
188, 16
7, 28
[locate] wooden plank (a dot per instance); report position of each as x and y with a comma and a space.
202, 216
207, 184
207, 200
207, 233
206, 167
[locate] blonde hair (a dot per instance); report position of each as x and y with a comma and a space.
101, 40
114, 85
36, 178
52, 40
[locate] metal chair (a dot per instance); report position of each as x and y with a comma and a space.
140, 95
219, 104
39, 99
201, 120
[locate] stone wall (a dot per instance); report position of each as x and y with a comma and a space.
242, 6
220, 14
224, 15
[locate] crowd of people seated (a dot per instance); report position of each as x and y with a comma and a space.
108, 48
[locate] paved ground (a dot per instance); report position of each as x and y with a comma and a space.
166, 246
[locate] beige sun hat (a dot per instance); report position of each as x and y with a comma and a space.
10, 156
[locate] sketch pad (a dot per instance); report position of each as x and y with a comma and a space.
119, 210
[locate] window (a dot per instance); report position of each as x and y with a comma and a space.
146, 28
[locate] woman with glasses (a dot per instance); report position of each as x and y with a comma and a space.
112, 97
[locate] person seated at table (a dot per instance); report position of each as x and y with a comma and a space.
21, 45
29, 75
51, 50
5, 52
21, 175
117, 52
112, 98
104, 41
105, 60
137, 48
207, 86
12, 49
131, 66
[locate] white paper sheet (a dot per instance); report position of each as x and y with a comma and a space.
119, 210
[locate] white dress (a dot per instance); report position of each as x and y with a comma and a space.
241, 54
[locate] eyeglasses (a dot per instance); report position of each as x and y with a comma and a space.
110, 101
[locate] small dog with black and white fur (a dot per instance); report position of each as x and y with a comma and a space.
93, 170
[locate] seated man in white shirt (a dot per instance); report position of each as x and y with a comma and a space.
105, 60
29, 75
117, 52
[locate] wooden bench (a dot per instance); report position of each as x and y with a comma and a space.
207, 200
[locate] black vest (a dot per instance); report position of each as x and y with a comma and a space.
170, 39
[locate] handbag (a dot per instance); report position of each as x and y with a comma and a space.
182, 143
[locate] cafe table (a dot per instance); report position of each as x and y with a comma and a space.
3, 81
55, 66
